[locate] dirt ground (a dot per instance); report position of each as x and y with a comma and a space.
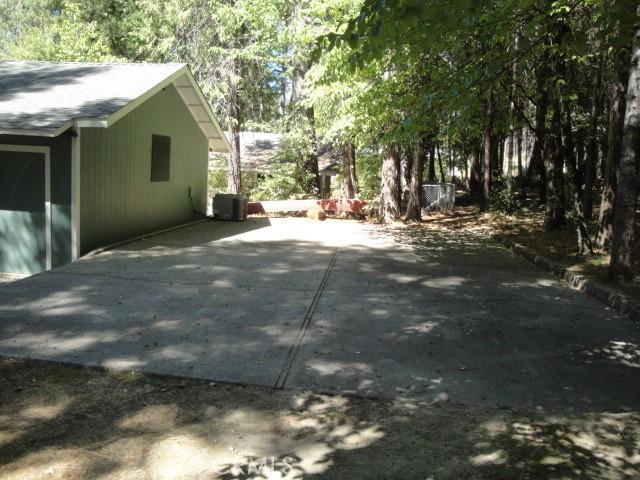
527, 228
63, 422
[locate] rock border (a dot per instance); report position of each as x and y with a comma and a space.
607, 295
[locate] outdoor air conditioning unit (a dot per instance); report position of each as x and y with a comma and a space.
229, 207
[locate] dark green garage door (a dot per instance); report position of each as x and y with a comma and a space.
23, 222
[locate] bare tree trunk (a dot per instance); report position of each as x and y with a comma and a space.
626, 194
512, 111
390, 188
500, 142
405, 175
604, 236
510, 155
432, 163
310, 165
234, 178
414, 203
555, 210
442, 179
592, 147
584, 241
475, 177
536, 159
311, 162
519, 153
349, 170
488, 154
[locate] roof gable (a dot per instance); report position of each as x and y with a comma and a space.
46, 98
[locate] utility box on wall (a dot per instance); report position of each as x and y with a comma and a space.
230, 207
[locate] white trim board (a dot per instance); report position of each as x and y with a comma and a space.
46, 152
75, 194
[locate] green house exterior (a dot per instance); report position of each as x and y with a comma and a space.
118, 200
86, 182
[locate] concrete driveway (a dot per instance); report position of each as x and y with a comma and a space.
331, 306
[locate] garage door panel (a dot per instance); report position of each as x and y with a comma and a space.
22, 212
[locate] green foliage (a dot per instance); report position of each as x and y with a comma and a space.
368, 72
501, 199
217, 179
287, 177
61, 33
283, 182
368, 167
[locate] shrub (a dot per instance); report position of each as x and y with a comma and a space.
501, 199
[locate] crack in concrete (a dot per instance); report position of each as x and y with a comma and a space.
293, 351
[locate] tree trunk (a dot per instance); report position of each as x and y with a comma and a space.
604, 236
475, 176
310, 165
349, 170
626, 194
311, 162
512, 113
432, 163
555, 210
536, 160
234, 178
442, 178
500, 142
592, 147
414, 203
510, 155
584, 241
405, 175
519, 154
488, 154
390, 188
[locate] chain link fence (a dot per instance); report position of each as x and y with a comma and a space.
438, 197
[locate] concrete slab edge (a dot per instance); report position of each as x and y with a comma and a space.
607, 295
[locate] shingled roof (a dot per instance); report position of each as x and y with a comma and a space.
258, 151
46, 98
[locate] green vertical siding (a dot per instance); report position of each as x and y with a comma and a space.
60, 195
118, 199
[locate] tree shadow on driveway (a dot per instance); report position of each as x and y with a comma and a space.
453, 360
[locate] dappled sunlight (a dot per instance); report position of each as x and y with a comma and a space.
386, 323
167, 325
187, 456
445, 282
344, 369
421, 328
210, 435
59, 342
403, 279
622, 352
497, 457
110, 427
603, 445
53, 463
123, 363
154, 418
416, 338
